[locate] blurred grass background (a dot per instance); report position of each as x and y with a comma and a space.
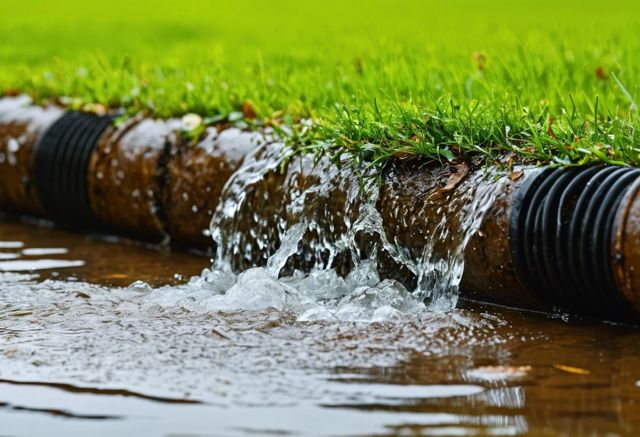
437, 78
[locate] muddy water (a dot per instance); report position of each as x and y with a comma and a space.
83, 353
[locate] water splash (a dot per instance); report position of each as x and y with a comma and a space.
439, 276
312, 240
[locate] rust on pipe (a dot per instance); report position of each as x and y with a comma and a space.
21, 126
626, 247
196, 175
488, 257
126, 177
421, 191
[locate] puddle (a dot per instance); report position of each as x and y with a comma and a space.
84, 353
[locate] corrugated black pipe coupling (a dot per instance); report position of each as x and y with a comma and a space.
61, 165
564, 228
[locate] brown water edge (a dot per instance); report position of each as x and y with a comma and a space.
474, 371
107, 260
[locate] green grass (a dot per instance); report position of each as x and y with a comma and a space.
550, 81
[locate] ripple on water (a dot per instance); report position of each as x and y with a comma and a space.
11, 244
38, 264
229, 351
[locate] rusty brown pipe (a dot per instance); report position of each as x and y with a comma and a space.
146, 179
149, 181
489, 273
21, 126
143, 178
196, 175
626, 247
488, 257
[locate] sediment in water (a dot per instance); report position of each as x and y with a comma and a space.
437, 228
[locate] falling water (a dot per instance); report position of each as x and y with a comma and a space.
311, 239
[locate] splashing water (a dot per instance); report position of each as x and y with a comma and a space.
311, 240
439, 277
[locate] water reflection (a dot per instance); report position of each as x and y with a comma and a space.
40, 251
38, 264
11, 244
11, 251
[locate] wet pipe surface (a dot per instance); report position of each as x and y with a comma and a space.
144, 179
83, 354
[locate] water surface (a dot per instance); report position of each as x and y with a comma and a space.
83, 353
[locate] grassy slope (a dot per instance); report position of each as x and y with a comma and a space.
433, 77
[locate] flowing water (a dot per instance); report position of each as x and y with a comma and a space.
291, 329
323, 217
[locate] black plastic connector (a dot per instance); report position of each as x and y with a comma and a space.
62, 161
561, 236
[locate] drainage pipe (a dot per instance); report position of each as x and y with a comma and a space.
563, 239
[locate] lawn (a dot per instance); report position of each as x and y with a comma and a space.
550, 81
